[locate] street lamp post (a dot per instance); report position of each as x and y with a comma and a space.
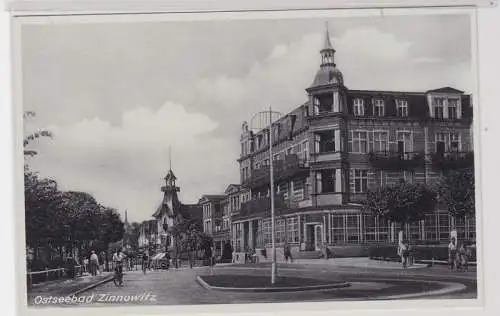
271, 114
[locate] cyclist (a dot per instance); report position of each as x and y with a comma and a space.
118, 258
145, 261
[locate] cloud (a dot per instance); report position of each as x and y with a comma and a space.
123, 165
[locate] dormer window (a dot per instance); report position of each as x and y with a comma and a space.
453, 108
402, 108
358, 107
378, 107
439, 108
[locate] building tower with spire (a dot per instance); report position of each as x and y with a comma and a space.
327, 93
168, 211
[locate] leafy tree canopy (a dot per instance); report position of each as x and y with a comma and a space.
457, 191
403, 203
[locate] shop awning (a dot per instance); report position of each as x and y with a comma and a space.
159, 256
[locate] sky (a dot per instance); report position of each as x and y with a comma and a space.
117, 96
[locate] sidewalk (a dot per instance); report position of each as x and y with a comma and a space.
68, 287
359, 262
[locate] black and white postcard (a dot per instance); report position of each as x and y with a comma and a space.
270, 157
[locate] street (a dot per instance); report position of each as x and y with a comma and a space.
179, 287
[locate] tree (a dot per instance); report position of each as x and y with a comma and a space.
111, 228
43, 216
28, 139
456, 190
403, 203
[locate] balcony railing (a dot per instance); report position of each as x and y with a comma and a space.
396, 160
283, 170
453, 160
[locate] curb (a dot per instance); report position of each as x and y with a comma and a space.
422, 261
207, 286
91, 286
449, 287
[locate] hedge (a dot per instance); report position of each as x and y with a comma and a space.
420, 252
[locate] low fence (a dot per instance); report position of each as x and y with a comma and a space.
35, 277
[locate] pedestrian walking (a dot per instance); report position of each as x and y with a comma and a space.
462, 258
410, 254
94, 263
287, 252
452, 254
85, 265
403, 252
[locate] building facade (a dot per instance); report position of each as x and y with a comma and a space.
329, 151
157, 235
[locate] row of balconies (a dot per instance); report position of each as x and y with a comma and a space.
283, 170
409, 161
292, 166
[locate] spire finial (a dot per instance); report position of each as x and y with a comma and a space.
170, 157
328, 43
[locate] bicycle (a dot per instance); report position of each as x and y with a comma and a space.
118, 278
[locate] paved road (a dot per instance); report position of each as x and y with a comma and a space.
180, 287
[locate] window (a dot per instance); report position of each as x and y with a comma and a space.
404, 142
453, 108
359, 183
257, 165
383, 229
369, 228
266, 230
352, 229
444, 226
402, 108
280, 230
471, 227
266, 162
380, 141
303, 152
325, 181
325, 141
289, 151
316, 105
460, 227
441, 140
430, 227
298, 190
292, 228
359, 107
438, 107
337, 228
283, 190
414, 231
378, 108
454, 142
359, 142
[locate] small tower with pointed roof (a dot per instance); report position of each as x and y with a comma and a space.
327, 92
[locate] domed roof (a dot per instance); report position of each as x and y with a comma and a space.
328, 74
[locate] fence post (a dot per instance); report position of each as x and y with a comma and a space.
46, 273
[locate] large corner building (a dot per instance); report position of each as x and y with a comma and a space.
329, 151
